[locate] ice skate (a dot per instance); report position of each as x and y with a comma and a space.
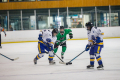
62, 56
52, 62
35, 61
90, 66
100, 67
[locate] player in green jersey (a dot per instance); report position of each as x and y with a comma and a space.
61, 40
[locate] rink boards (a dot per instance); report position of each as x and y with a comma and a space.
78, 34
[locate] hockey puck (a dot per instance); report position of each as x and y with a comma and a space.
69, 63
66, 63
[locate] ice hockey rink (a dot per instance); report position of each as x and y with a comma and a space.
24, 69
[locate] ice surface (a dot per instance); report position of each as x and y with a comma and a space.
24, 69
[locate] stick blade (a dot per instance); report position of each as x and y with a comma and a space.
16, 58
62, 62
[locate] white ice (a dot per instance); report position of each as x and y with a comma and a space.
24, 69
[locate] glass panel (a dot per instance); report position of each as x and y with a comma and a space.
89, 15
115, 15
42, 19
49, 0
103, 16
3, 19
63, 17
14, 20
3, 0
28, 19
20, 0
75, 18
54, 20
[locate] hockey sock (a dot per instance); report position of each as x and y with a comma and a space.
92, 59
37, 57
63, 50
62, 53
51, 58
98, 57
51, 55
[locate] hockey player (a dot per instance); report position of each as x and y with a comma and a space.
1, 29
45, 43
61, 37
95, 44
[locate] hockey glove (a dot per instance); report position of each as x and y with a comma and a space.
97, 40
40, 37
48, 40
56, 45
71, 35
87, 47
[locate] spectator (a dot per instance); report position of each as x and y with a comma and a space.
10, 28
79, 25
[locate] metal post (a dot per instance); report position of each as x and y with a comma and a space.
49, 17
58, 13
49, 12
119, 18
35, 18
67, 18
67, 12
106, 20
82, 16
96, 15
21, 20
8, 19
110, 15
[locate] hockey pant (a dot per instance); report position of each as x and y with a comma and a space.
95, 52
41, 48
63, 48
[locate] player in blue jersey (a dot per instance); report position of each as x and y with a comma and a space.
45, 45
95, 44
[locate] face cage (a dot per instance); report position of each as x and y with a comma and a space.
87, 28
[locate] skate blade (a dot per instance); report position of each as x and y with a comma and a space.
100, 68
91, 68
52, 64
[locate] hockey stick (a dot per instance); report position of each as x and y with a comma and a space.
56, 54
59, 58
9, 58
70, 62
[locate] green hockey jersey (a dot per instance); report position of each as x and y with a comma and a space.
60, 37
